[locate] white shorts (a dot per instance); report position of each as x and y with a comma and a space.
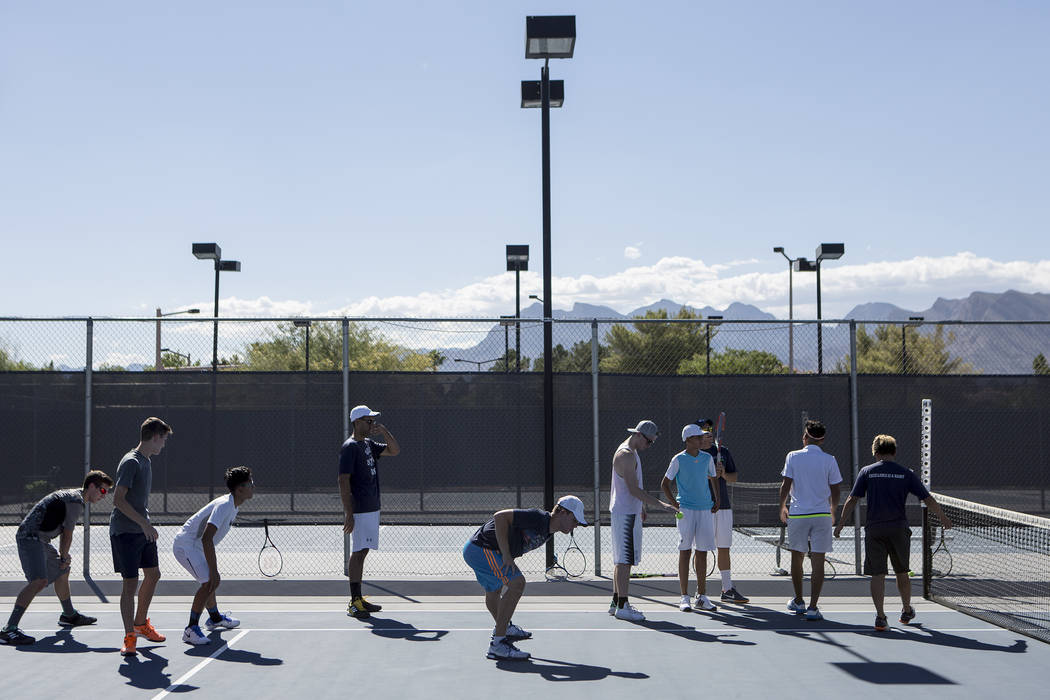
626, 538
724, 528
810, 534
192, 559
696, 530
366, 531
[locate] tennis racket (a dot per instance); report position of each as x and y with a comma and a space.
720, 429
712, 560
556, 572
941, 561
270, 560
573, 561
807, 567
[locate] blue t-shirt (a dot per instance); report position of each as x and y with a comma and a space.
691, 474
529, 529
887, 485
730, 466
359, 459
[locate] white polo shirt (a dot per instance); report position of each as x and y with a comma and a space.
812, 472
219, 513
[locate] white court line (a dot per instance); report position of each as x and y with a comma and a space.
631, 629
186, 676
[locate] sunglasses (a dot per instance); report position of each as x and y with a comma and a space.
102, 490
648, 440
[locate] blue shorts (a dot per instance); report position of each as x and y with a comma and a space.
488, 567
132, 552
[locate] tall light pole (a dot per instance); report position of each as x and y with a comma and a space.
517, 260
825, 251
914, 321
212, 251
791, 308
158, 366
177, 354
305, 323
708, 324
547, 37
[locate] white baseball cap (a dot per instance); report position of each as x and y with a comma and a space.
693, 430
575, 506
361, 411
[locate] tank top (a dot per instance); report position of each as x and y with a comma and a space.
620, 499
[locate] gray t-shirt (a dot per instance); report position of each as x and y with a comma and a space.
136, 473
55, 512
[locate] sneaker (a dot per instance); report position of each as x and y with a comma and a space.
812, 614
516, 634
129, 645
907, 615
880, 623
630, 613
683, 604
15, 636
731, 596
612, 608
193, 635
226, 622
149, 632
356, 608
702, 602
76, 619
505, 650
371, 607
796, 607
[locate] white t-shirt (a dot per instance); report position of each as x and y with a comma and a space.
812, 472
620, 498
219, 513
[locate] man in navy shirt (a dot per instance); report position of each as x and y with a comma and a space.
725, 469
359, 490
887, 485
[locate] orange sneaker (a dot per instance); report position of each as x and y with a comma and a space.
129, 645
149, 632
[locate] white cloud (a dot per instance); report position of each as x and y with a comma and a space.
912, 284
632, 253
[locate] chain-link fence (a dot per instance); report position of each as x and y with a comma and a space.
465, 399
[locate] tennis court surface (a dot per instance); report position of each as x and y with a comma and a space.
431, 638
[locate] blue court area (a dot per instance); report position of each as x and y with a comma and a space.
435, 645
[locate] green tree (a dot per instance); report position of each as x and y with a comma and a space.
9, 364
656, 348
734, 361
1039, 364
285, 349
880, 352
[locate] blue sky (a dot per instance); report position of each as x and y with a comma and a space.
373, 159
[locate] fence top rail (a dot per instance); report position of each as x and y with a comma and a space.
523, 320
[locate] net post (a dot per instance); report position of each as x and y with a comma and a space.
88, 361
594, 418
925, 453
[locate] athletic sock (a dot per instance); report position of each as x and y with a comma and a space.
214, 614
355, 589
621, 601
195, 619
727, 580
16, 617
67, 607
615, 600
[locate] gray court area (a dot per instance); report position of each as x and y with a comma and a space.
431, 637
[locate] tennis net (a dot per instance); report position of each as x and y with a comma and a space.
999, 565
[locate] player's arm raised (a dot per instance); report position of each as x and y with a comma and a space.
624, 463
393, 448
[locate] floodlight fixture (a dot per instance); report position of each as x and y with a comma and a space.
551, 36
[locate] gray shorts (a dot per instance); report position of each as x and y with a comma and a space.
39, 559
809, 534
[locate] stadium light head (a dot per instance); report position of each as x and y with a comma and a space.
531, 97
830, 251
517, 258
229, 266
804, 265
550, 36
207, 251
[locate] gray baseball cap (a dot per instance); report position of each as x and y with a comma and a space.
646, 428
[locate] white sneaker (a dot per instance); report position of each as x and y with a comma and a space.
702, 602
797, 608
226, 622
515, 633
612, 608
194, 636
684, 605
630, 613
506, 650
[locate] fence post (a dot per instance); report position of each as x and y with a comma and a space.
597, 486
87, 443
854, 446
346, 423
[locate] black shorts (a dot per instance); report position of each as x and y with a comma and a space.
880, 543
132, 552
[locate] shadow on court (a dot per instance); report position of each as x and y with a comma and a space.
146, 671
234, 655
395, 629
554, 670
690, 633
63, 642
